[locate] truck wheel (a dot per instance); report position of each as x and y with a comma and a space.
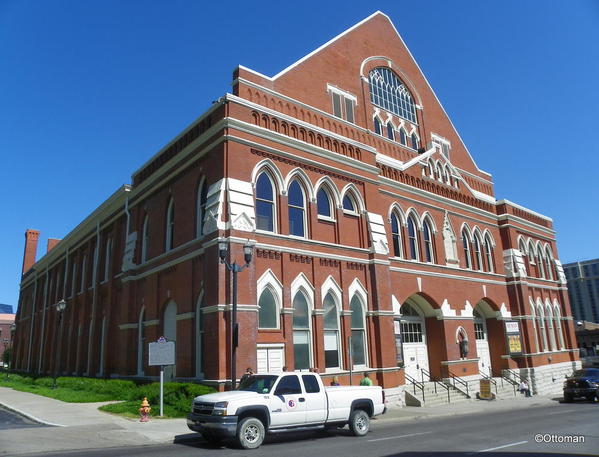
250, 433
359, 422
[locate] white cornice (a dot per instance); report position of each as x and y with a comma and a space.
523, 208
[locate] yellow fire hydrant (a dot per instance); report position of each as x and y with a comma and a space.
144, 411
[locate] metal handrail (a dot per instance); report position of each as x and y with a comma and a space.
455, 378
510, 381
418, 384
435, 382
489, 378
512, 373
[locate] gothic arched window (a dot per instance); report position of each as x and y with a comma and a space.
390, 93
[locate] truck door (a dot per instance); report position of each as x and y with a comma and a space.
315, 399
287, 404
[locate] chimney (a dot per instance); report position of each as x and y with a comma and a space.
52, 242
31, 237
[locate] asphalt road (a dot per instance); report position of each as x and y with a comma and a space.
502, 433
12, 420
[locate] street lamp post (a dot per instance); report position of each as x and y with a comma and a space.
60, 307
223, 249
11, 355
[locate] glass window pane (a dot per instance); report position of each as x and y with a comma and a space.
390, 134
357, 347
323, 203
357, 315
331, 353
336, 105
311, 383
349, 110
348, 204
264, 216
300, 312
264, 188
296, 221
301, 350
267, 315
289, 385
330, 313
296, 196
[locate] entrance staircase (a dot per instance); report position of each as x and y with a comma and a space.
430, 392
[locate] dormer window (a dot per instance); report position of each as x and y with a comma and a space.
443, 144
343, 103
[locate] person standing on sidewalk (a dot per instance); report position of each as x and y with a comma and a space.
366, 381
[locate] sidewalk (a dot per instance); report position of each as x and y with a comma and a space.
81, 426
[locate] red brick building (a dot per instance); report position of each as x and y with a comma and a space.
369, 219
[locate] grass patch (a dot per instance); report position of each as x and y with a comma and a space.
177, 395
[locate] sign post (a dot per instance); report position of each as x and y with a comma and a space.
161, 353
351, 361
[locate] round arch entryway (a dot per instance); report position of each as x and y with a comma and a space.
411, 331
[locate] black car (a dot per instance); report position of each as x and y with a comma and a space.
582, 384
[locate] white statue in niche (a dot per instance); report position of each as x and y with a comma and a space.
449, 242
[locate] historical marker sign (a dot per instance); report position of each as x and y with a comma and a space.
161, 352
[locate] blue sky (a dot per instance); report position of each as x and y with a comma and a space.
89, 90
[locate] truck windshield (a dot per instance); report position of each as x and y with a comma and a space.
261, 384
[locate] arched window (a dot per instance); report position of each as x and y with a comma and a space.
267, 313
541, 263
390, 133
349, 204
396, 235
265, 203
428, 242
558, 325
358, 331
489, 254
377, 126
201, 199
323, 202
550, 329
413, 238
145, 239
535, 326
331, 332
478, 259
541, 322
403, 137
389, 92
297, 211
414, 141
523, 251
170, 225
83, 274
466, 245
107, 259
302, 338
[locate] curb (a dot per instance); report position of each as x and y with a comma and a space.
29, 416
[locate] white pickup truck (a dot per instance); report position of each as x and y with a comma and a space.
272, 403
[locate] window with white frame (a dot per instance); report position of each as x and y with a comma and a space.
443, 144
377, 126
267, 313
349, 203
389, 92
428, 242
413, 238
550, 329
558, 325
343, 103
324, 202
302, 351
466, 246
265, 203
390, 131
414, 141
477, 254
489, 253
541, 322
297, 210
396, 234
358, 331
331, 332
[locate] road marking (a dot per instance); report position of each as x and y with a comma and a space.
561, 412
400, 436
501, 447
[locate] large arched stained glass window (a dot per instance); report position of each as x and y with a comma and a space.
331, 332
265, 204
301, 332
389, 92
